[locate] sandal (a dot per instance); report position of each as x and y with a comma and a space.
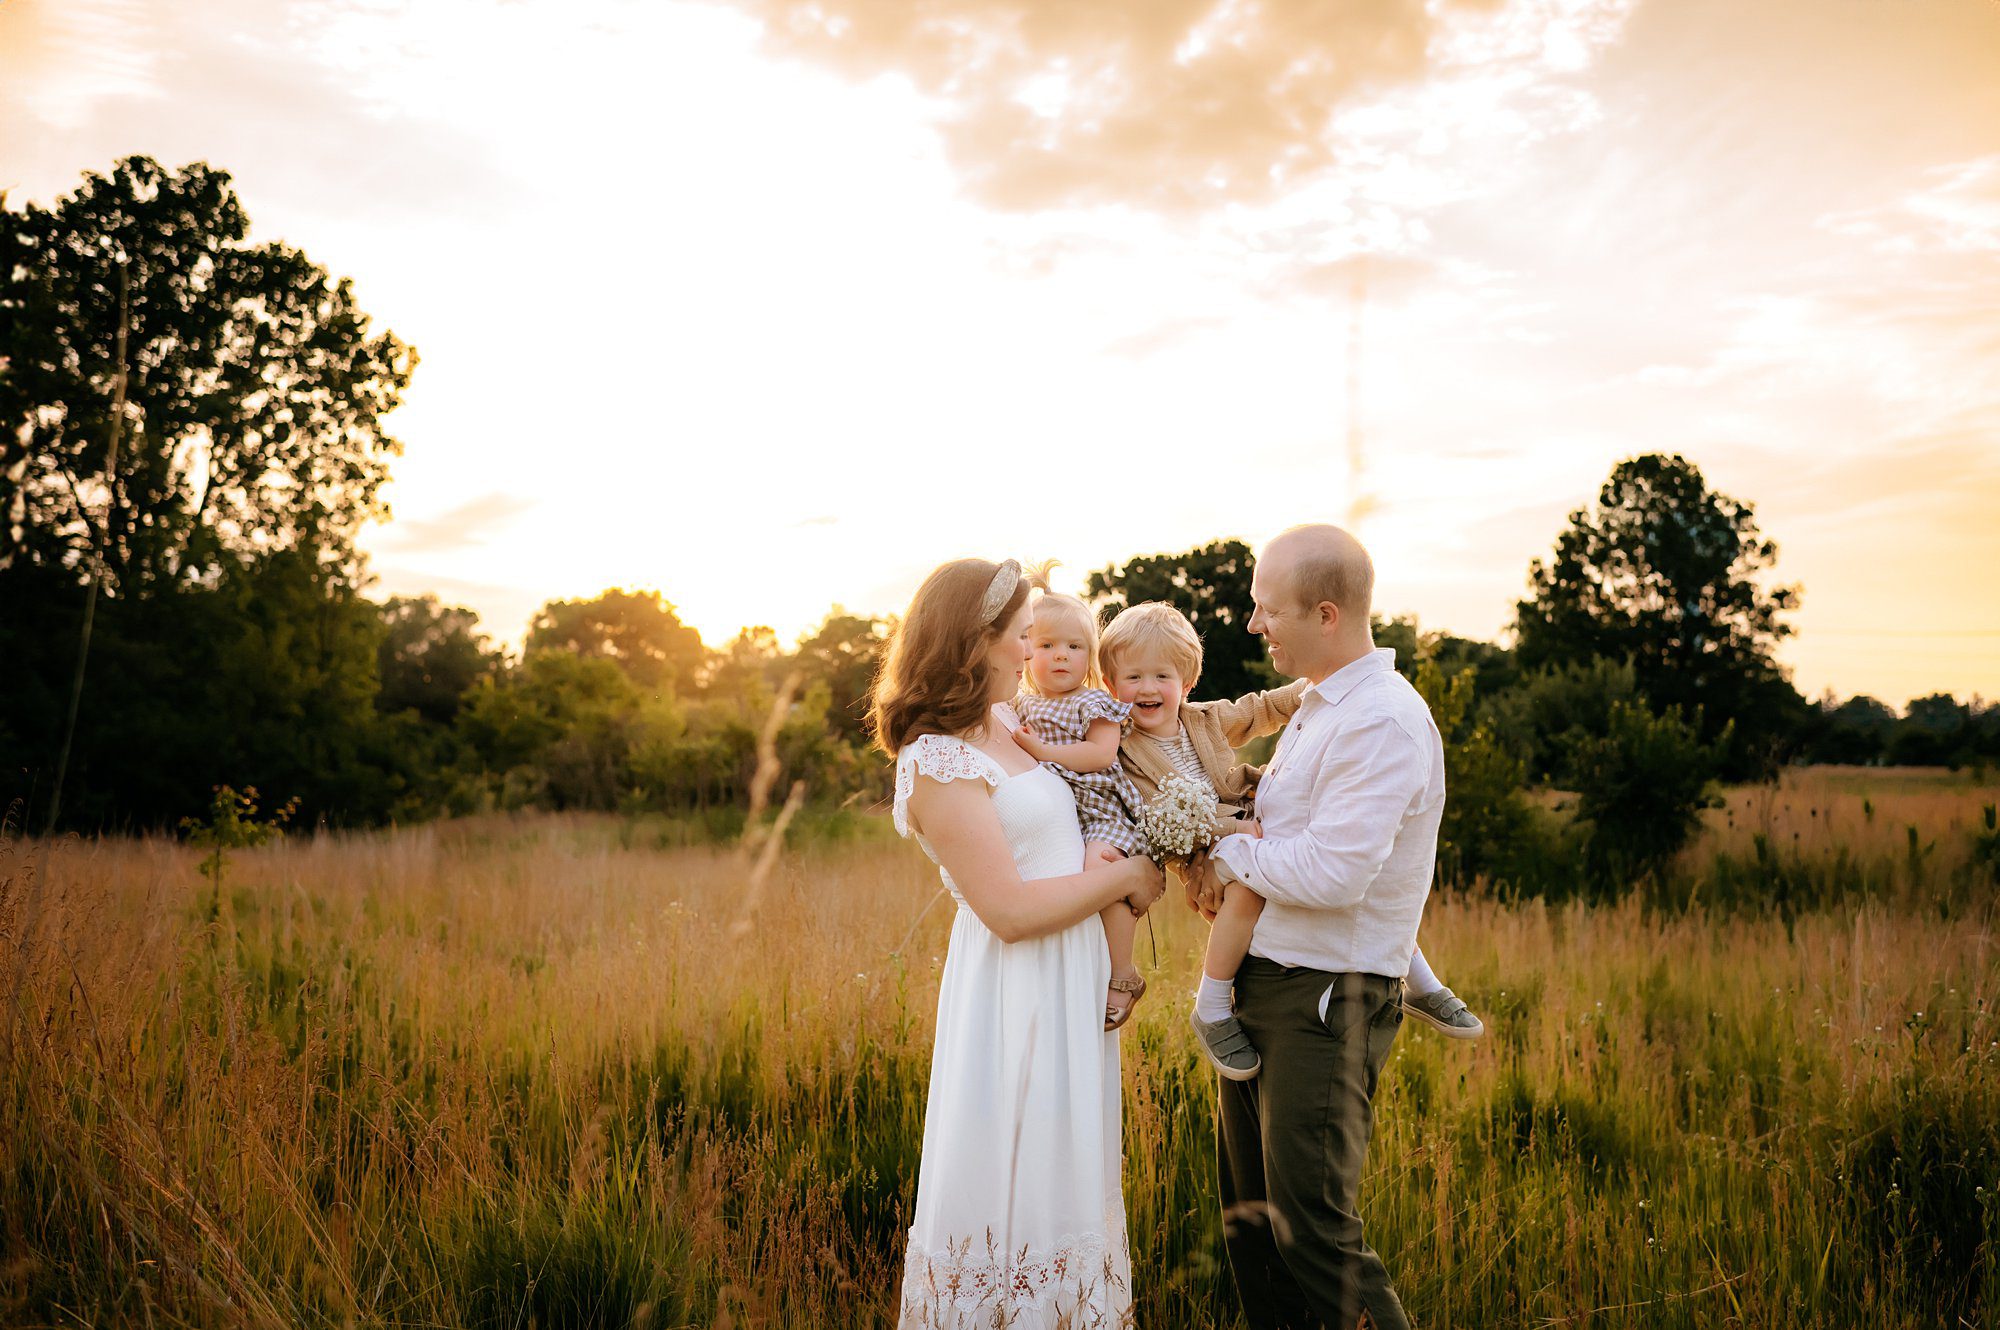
1136, 986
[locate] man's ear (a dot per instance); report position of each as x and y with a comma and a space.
1329, 616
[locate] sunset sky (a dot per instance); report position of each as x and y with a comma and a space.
776, 304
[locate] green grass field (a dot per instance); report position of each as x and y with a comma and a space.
547, 1072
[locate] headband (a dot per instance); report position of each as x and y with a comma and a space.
1000, 590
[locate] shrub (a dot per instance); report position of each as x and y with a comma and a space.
1642, 786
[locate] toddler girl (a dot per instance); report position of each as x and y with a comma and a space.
1070, 724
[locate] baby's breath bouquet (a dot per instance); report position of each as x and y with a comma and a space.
1179, 821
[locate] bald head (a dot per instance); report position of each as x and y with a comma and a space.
1312, 587
1320, 564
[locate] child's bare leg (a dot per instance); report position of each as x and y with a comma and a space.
1228, 944
1121, 933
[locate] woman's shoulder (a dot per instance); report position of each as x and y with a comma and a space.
943, 758
946, 757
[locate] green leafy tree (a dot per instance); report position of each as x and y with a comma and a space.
1544, 716
253, 394
1936, 731
1211, 585
1641, 786
637, 630
430, 656
1664, 572
744, 675
1489, 828
1493, 667
266, 679
1856, 731
842, 653
555, 730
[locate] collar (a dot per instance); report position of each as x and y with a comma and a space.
1342, 681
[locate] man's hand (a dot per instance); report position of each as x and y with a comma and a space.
1204, 888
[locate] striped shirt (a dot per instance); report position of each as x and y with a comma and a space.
1180, 752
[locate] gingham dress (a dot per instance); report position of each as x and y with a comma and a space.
1102, 797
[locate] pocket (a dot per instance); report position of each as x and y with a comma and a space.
1341, 1014
1343, 1006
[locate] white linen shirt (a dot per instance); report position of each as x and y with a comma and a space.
1350, 807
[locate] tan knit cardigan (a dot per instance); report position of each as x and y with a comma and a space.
1217, 729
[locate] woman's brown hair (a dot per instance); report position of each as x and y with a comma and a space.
934, 674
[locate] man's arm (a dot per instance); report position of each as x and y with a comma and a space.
1360, 794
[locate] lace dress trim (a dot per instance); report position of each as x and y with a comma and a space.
942, 758
1077, 1281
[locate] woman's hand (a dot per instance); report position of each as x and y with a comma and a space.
1149, 885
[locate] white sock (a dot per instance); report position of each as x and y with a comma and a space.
1215, 1000
1421, 980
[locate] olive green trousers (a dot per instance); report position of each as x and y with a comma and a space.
1291, 1145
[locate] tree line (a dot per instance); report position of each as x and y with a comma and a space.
192, 436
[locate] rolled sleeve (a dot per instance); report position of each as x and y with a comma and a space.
1370, 779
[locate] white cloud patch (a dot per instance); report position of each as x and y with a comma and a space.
474, 522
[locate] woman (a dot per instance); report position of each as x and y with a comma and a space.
1020, 1219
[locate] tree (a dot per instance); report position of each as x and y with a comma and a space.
1855, 731
266, 679
746, 673
1664, 572
843, 652
1489, 828
1493, 668
1211, 585
431, 654
553, 730
1641, 787
253, 394
638, 630
1551, 709
1936, 731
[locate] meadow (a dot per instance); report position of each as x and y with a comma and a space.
554, 1071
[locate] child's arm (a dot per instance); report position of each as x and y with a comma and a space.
1097, 752
1254, 715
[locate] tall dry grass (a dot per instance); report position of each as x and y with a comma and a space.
521, 1072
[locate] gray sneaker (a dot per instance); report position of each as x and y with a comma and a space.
1442, 1009
1227, 1047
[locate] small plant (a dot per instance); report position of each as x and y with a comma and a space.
232, 823
1986, 840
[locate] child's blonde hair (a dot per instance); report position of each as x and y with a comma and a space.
1152, 626
1055, 607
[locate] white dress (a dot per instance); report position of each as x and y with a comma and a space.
1020, 1220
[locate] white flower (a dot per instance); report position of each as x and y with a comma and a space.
1179, 821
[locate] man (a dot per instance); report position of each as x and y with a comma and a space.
1349, 809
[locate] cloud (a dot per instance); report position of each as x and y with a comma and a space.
1175, 106
471, 523
1149, 341
230, 82
1959, 214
